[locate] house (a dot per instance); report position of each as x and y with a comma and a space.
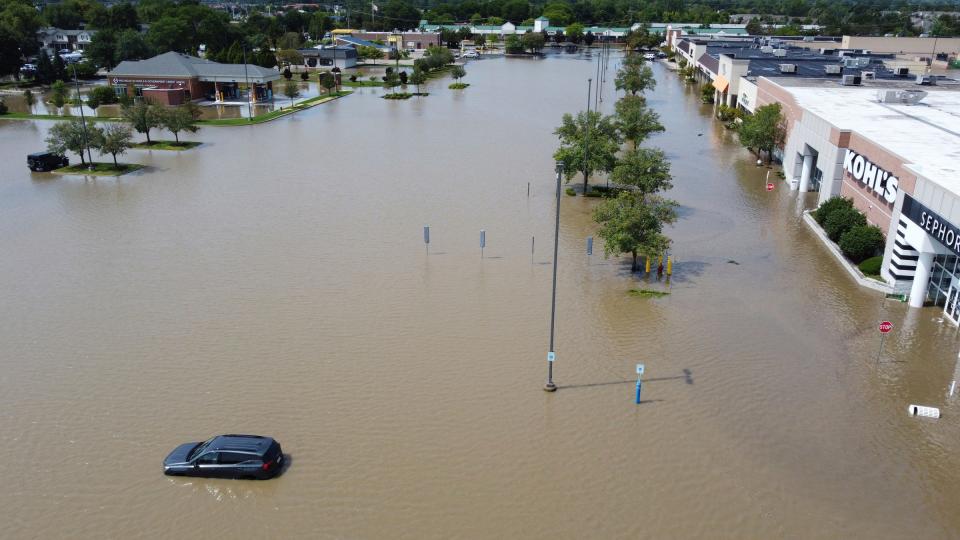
53, 40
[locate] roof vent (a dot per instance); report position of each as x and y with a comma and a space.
766, 49
788, 68
868, 75
850, 80
926, 80
780, 53
902, 72
832, 69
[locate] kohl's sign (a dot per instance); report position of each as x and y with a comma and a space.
883, 183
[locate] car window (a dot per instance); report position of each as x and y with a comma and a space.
208, 458
231, 458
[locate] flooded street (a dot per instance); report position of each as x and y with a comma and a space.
274, 281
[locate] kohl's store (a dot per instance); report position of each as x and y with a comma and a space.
900, 164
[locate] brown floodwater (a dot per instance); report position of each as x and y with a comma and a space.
274, 281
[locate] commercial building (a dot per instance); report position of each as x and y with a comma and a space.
342, 57
173, 78
893, 146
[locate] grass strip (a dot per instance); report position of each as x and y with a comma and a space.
100, 169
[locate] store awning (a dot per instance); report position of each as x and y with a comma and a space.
721, 83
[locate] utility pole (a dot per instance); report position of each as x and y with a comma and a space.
249, 90
83, 119
586, 141
551, 355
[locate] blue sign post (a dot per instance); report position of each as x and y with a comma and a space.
640, 368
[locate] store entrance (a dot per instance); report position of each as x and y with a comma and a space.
951, 308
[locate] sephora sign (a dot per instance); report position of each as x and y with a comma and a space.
881, 182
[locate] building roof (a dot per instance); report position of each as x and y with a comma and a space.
178, 65
344, 51
357, 42
926, 135
711, 63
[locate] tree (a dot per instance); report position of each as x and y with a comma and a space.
143, 116
115, 138
328, 81
58, 94
29, 99
635, 80
177, 119
417, 78
101, 95
589, 38
764, 130
401, 15
19, 22
68, 136
635, 120
366, 52
633, 223
170, 34
131, 45
588, 142
574, 33
44, 69
458, 72
391, 80
512, 44
102, 48
291, 89
647, 169
533, 42
289, 40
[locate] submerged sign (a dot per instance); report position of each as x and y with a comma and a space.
940, 229
880, 181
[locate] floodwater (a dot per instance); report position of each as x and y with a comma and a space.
274, 281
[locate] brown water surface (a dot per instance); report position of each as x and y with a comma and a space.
274, 281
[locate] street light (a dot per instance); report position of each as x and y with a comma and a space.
550, 387
83, 119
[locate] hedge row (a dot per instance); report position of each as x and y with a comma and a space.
846, 226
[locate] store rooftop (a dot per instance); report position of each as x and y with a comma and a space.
925, 135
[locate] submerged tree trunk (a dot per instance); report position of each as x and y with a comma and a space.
148, 136
634, 267
586, 181
115, 166
82, 161
176, 136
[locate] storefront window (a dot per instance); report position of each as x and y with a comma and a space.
942, 275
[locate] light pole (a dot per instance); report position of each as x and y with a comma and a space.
550, 386
83, 119
249, 90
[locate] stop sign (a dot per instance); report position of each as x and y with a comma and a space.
886, 327
769, 186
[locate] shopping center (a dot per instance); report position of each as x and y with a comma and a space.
893, 146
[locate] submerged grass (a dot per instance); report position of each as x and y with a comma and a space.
647, 293
100, 169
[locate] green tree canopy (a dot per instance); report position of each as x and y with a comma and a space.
635, 120
69, 136
533, 41
647, 169
115, 138
177, 119
633, 223
588, 142
764, 130
143, 116
635, 80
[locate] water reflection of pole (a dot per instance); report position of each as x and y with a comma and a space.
550, 386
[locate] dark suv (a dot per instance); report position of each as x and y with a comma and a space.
226, 456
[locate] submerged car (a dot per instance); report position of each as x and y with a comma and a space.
46, 161
226, 456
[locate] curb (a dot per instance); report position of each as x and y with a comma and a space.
854, 272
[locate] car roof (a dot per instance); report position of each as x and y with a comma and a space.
241, 443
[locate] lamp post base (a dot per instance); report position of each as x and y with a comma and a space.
550, 387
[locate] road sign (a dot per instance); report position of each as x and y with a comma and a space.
885, 327
551, 356
640, 368
769, 186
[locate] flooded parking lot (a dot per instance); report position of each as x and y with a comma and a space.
274, 281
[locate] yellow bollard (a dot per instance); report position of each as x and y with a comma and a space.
669, 265
648, 263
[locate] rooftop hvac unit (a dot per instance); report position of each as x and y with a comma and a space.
902, 72
926, 80
788, 68
780, 53
766, 49
868, 75
850, 80
905, 97
832, 69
